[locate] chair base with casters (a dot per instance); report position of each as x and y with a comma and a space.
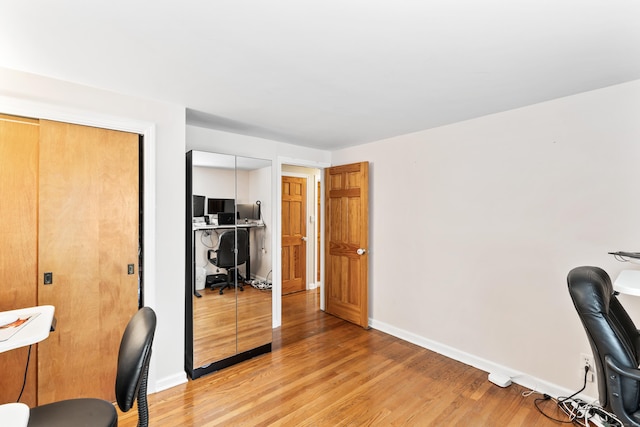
614, 341
232, 274
131, 384
232, 251
216, 280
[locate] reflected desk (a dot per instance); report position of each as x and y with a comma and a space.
36, 329
248, 225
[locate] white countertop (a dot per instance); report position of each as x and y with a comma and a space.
14, 415
35, 330
628, 282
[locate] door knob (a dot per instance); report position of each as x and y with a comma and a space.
304, 238
361, 251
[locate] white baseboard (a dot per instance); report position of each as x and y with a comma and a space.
170, 381
488, 366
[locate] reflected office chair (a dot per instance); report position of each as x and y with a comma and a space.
614, 340
131, 384
225, 255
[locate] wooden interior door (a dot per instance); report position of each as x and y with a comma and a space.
88, 238
18, 243
294, 234
346, 243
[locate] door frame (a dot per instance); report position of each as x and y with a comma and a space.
40, 110
277, 262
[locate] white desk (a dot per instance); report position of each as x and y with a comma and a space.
628, 282
36, 330
14, 415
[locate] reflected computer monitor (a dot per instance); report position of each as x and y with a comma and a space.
198, 206
248, 212
216, 206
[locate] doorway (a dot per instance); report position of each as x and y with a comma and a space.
300, 232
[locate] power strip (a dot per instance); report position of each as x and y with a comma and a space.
598, 421
595, 420
594, 416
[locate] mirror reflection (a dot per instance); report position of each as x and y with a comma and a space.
231, 258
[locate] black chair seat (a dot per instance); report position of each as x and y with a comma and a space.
86, 413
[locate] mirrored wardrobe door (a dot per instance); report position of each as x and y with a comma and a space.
227, 287
213, 303
254, 221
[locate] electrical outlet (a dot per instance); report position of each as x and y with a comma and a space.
587, 360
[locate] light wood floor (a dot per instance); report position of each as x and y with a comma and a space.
326, 372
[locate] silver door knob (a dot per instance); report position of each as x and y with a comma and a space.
361, 251
304, 238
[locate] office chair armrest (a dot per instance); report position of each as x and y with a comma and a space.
625, 372
614, 375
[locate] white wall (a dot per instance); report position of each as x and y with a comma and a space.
164, 129
262, 238
204, 139
474, 227
214, 182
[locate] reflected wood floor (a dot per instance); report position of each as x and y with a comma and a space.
217, 318
326, 372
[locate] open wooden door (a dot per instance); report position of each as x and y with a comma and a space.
346, 242
294, 234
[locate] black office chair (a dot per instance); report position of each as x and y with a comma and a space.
225, 256
614, 340
131, 384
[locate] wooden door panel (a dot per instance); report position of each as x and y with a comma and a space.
286, 268
293, 234
18, 243
346, 230
88, 225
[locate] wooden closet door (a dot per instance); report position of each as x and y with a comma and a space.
88, 235
18, 242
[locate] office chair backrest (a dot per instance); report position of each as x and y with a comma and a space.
243, 246
133, 360
226, 257
610, 330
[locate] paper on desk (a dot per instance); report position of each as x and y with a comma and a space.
11, 329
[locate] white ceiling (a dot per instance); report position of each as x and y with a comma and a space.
328, 73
